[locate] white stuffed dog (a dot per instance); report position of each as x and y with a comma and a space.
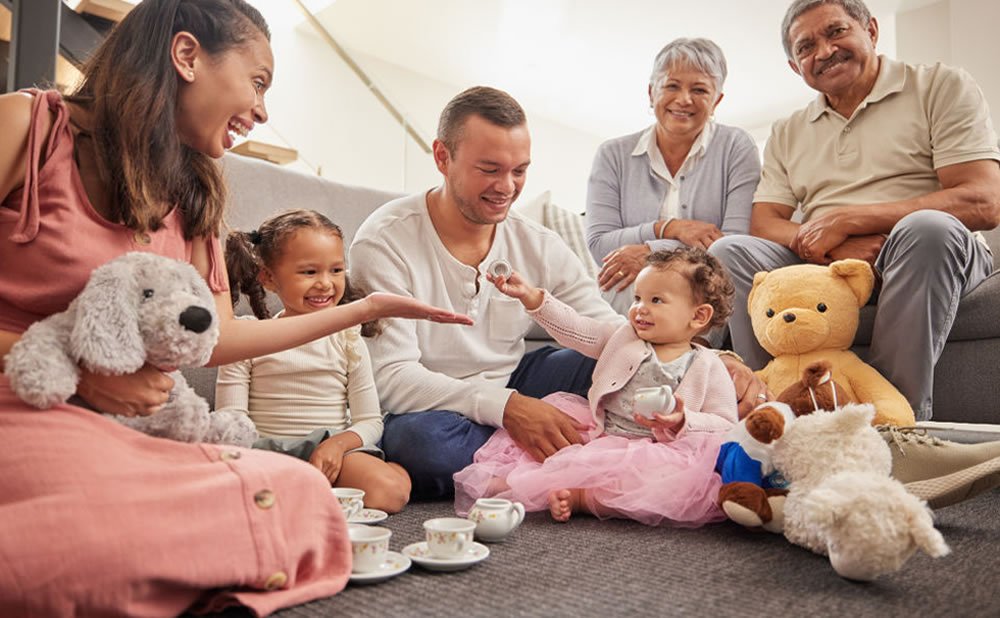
138, 308
842, 501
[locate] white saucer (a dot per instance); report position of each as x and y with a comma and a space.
368, 516
420, 554
395, 563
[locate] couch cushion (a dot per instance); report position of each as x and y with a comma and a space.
569, 226
258, 189
976, 317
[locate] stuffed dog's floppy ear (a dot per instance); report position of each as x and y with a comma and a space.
105, 336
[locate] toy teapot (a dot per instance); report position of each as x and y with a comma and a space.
654, 400
495, 518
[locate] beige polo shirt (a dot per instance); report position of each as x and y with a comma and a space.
915, 120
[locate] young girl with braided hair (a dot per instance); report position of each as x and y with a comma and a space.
317, 401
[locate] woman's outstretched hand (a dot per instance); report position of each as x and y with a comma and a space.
385, 305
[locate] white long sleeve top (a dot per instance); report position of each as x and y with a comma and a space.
421, 365
324, 383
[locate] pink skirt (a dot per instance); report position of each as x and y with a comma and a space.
654, 483
98, 519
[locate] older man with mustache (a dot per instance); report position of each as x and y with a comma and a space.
892, 163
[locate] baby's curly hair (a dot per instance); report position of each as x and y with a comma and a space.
709, 280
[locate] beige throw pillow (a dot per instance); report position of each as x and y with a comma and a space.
569, 226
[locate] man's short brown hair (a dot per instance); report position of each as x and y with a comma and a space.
495, 106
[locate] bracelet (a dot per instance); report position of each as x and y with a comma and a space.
663, 228
730, 353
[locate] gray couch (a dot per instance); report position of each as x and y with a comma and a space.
967, 376
967, 379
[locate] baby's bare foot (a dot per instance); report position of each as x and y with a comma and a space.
563, 502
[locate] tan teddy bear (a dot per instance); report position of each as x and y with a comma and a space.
807, 313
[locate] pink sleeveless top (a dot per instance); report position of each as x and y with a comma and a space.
51, 238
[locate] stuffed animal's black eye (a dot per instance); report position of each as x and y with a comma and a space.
147, 293
821, 307
770, 313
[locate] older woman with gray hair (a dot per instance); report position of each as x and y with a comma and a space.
685, 180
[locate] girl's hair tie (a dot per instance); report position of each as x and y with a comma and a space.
254, 237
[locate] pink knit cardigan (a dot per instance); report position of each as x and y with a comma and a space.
706, 389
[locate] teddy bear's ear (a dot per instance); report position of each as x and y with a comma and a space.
758, 280
105, 335
858, 275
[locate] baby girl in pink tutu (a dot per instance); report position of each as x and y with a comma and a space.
658, 471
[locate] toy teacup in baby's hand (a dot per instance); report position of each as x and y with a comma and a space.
138, 308
654, 400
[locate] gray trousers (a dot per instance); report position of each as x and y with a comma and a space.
928, 263
302, 448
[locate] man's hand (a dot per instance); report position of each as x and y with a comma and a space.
329, 458
864, 248
816, 238
693, 233
750, 390
621, 266
538, 427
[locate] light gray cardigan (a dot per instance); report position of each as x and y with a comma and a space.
624, 194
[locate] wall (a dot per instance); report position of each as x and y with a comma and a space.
320, 107
560, 155
957, 32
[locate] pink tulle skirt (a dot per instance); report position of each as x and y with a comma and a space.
654, 483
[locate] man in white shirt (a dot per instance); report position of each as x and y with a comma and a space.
448, 389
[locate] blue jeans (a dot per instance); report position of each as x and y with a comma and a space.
434, 445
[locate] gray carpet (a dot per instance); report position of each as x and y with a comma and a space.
619, 568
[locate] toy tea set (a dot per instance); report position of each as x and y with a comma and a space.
449, 544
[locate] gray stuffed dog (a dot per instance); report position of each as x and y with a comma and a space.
138, 308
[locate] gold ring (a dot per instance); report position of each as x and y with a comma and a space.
762, 396
621, 273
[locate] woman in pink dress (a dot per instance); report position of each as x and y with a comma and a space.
98, 519
658, 470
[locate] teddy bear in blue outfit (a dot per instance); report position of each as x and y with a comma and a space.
753, 491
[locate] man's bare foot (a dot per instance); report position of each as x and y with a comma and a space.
563, 502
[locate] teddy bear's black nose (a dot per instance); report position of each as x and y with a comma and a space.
789, 317
196, 319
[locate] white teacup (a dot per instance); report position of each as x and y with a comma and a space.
369, 547
449, 537
653, 400
495, 518
351, 500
